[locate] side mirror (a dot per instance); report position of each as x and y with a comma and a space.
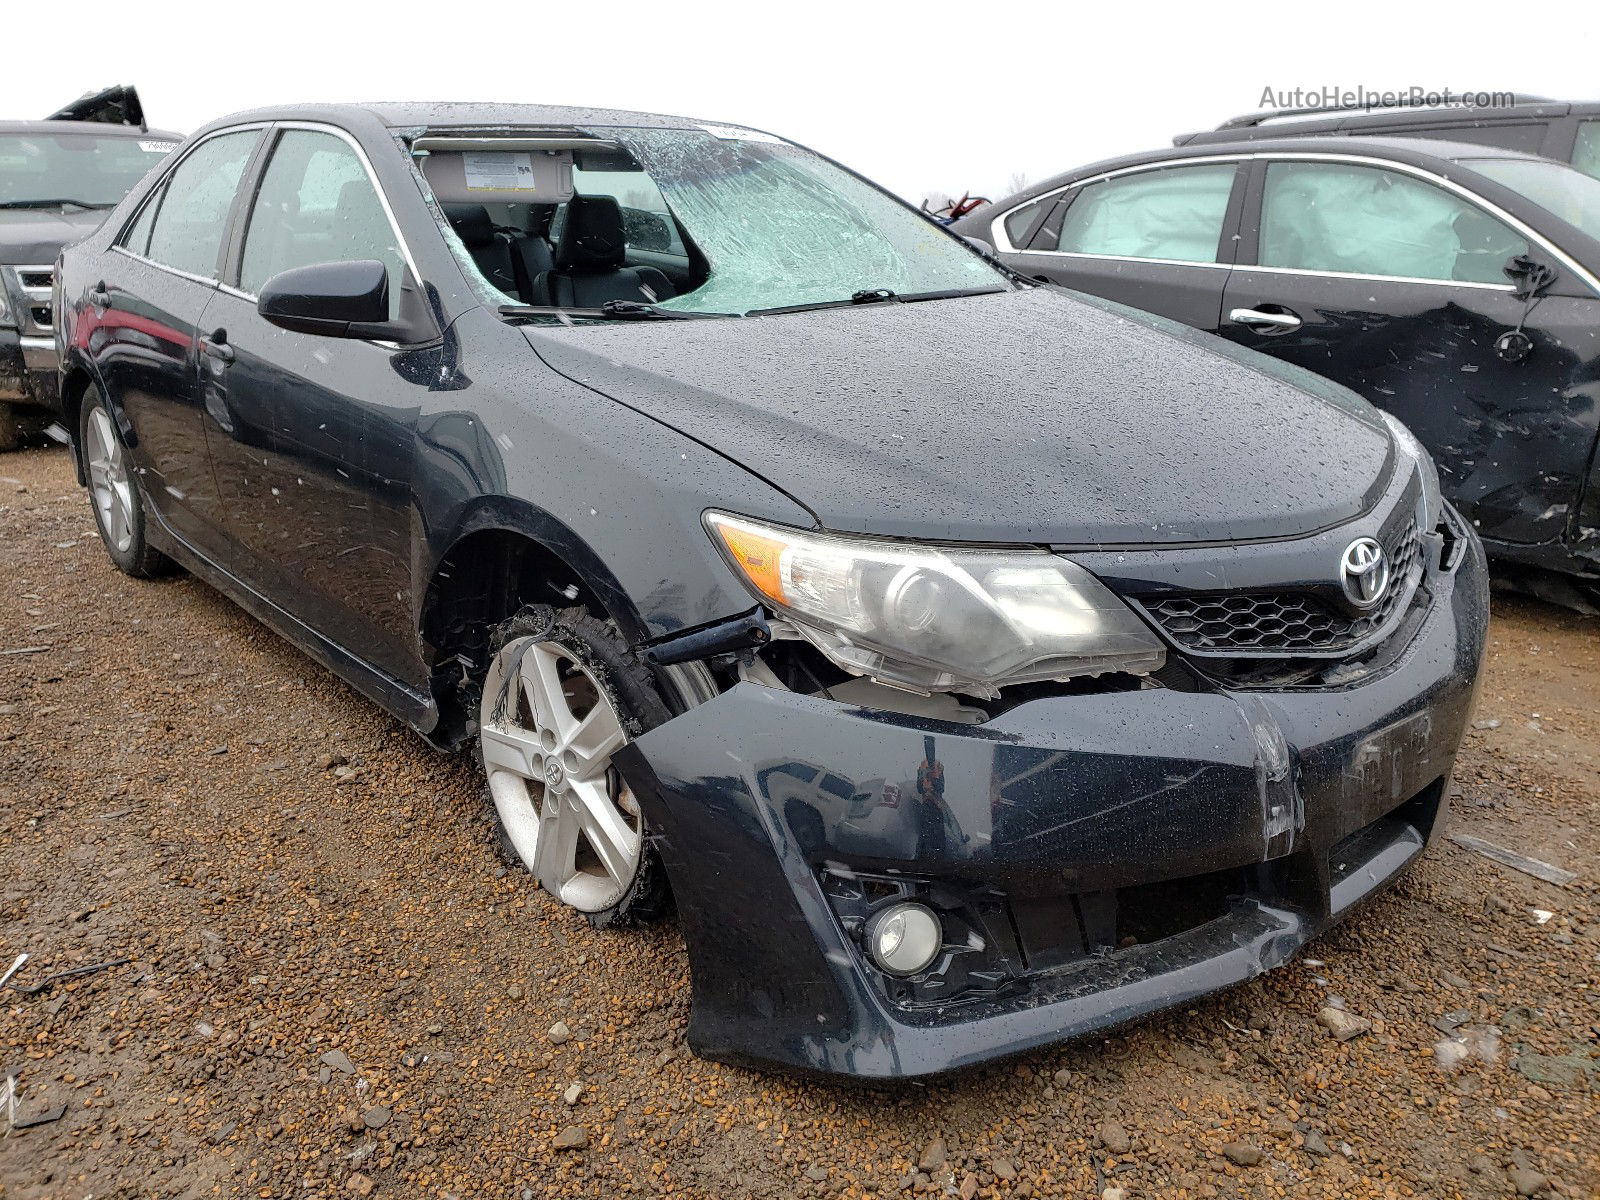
335, 299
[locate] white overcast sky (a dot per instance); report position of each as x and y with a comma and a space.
924, 98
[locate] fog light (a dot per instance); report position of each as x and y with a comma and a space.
904, 938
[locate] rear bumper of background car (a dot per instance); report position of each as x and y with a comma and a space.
28, 370
1093, 857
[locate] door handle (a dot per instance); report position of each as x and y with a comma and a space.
216, 347
99, 298
1260, 319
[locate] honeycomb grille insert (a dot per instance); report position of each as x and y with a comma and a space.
1285, 622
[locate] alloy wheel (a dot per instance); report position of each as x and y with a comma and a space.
108, 481
548, 731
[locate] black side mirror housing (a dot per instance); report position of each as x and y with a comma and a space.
338, 299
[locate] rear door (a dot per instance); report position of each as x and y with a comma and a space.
1393, 284
145, 319
312, 436
1157, 237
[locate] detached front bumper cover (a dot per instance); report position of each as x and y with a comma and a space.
1094, 858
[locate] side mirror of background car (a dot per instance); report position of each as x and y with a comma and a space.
338, 299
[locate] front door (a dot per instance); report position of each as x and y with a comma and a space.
312, 436
144, 340
1395, 287
1159, 239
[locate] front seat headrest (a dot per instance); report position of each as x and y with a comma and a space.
591, 236
471, 222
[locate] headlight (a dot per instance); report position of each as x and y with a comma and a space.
5, 308
938, 618
1431, 507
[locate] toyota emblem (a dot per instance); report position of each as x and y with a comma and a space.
1364, 572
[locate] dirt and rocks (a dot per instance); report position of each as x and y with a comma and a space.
334, 989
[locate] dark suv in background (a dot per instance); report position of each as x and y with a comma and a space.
58, 179
1558, 129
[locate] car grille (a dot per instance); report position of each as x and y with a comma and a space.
31, 293
1286, 622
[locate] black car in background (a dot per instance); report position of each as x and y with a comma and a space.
1565, 131
58, 179
979, 664
1455, 286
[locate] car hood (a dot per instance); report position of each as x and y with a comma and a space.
32, 237
1032, 416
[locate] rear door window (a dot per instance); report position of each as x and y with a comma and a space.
316, 204
1173, 213
1354, 220
189, 226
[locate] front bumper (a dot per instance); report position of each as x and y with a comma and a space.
1102, 856
28, 370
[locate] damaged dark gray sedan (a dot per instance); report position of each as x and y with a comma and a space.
977, 665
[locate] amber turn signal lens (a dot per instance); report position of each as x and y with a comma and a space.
758, 557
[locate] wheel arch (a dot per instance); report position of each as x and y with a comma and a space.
504, 554
76, 381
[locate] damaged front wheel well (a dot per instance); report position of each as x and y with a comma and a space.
485, 578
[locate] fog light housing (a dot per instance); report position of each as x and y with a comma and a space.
904, 938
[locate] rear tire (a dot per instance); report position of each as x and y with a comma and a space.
563, 692
114, 494
10, 427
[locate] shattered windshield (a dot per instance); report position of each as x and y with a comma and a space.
1555, 187
780, 226
686, 222
76, 168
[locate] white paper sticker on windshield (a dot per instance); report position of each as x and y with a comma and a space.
158, 147
498, 171
732, 133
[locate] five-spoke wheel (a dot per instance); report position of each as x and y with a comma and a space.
548, 729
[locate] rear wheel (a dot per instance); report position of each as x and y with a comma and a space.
118, 504
562, 695
10, 427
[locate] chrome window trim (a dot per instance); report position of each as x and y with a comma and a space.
1451, 283
1533, 236
1003, 242
1129, 258
173, 162
315, 126
207, 280
372, 178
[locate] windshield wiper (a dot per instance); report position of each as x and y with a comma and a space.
60, 202
876, 296
951, 294
613, 310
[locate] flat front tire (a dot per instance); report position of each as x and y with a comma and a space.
562, 695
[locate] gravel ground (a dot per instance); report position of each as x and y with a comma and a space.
333, 989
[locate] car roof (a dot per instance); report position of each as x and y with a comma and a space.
97, 128
463, 115
1415, 151
1310, 122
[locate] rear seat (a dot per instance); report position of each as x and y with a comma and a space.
510, 260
